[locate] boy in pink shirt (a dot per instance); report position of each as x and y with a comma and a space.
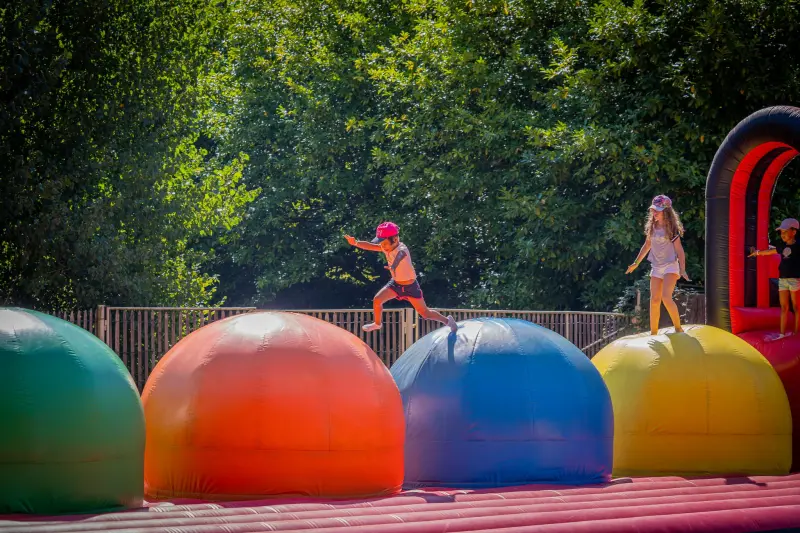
403, 285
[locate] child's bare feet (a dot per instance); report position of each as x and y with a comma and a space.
372, 326
679, 330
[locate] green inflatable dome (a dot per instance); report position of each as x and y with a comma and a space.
72, 437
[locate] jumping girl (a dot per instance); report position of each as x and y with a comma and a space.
404, 284
663, 231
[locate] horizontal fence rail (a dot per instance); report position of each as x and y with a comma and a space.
141, 336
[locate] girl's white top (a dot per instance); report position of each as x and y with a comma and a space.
662, 249
405, 270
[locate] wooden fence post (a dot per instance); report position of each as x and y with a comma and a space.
409, 323
569, 328
100, 324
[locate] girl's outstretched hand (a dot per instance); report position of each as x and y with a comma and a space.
631, 268
350, 240
685, 276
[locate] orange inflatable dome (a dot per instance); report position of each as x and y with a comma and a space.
272, 404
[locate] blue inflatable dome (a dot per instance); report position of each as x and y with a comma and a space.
503, 402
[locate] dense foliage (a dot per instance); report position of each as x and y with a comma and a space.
107, 189
517, 143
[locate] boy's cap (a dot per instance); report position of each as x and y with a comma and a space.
788, 223
661, 202
384, 231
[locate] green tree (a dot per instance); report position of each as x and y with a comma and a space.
639, 107
108, 193
359, 112
293, 62
517, 143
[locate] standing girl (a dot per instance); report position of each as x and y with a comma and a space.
663, 231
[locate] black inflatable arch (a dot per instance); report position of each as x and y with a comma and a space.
738, 199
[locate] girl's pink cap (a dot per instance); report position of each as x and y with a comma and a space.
384, 231
661, 202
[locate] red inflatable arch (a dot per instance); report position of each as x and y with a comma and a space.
738, 200
741, 291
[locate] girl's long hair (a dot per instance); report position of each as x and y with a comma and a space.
672, 223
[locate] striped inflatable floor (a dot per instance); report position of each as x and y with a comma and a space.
638, 505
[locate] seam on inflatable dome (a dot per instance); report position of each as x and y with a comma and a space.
475, 344
708, 387
425, 358
528, 376
315, 350
187, 428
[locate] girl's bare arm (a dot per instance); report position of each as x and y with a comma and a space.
364, 245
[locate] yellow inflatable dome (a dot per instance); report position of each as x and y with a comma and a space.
694, 403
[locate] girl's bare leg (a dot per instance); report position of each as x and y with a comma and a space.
383, 296
784, 297
655, 303
666, 298
431, 314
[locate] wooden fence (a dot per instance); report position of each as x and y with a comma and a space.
141, 336
85, 318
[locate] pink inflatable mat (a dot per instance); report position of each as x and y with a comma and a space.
641, 505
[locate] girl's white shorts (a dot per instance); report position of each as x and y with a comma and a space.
660, 271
